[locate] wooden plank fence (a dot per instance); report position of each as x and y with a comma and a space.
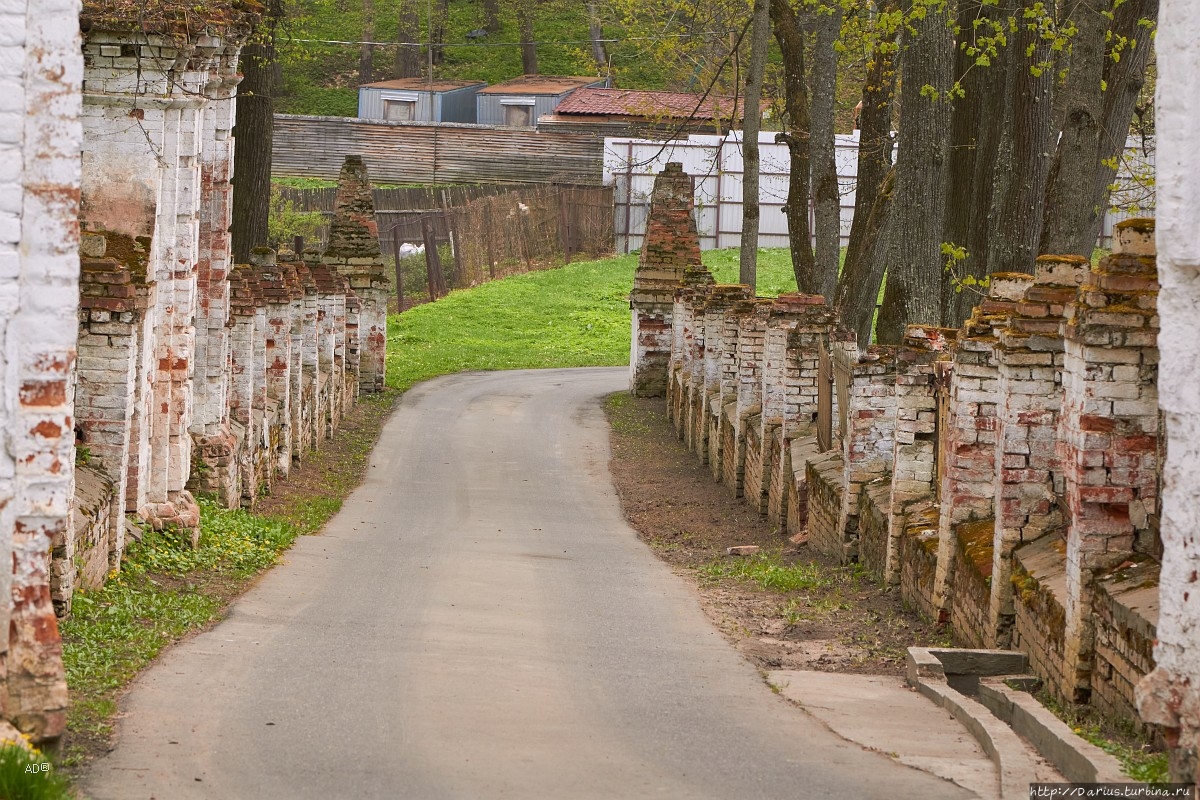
434, 153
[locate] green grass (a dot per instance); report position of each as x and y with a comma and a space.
768, 571
322, 78
574, 316
165, 589
1119, 740
26, 775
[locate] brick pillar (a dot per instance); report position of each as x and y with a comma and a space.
1028, 479
248, 320
870, 431
354, 252
700, 283
670, 246
310, 363
685, 370
721, 432
113, 302
720, 299
331, 345
1170, 695
1110, 431
781, 393
914, 457
805, 325
282, 291
748, 478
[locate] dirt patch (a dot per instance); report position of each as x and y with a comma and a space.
840, 621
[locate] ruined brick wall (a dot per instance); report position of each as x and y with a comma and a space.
671, 245
1039, 584
1169, 696
971, 582
39, 239
1124, 606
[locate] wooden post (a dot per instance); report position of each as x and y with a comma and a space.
487, 235
298, 246
433, 267
564, 224
399, 272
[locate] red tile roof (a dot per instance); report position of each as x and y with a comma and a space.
628, 102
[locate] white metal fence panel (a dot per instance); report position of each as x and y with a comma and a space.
716, 164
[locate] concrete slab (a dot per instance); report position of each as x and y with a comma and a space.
881, 713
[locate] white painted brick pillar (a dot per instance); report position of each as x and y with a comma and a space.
1170, 696
41, 74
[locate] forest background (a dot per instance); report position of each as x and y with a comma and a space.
991, 130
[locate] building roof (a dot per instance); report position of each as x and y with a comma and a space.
631, 103
541, 84
422, 85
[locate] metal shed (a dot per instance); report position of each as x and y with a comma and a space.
518, 103
419, 100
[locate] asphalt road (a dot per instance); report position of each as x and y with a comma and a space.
478, 622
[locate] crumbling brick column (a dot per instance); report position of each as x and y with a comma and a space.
1028, 478
914, 467
331, 346
284, 297
1110, 430
806, 334
671, 245
247, 389
746, 475
113, 303
40, 69
686, 368
724, 404
700, 281
869, 442
782, 398
706, 441
310, 366
354, 253
1170, 696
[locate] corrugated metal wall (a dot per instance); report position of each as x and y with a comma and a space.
458, 105
314, 147
491, 106
370, 103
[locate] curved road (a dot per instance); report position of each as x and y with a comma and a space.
478, 622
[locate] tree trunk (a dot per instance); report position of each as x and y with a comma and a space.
1123, 79
874, 152
491, 16
1020, 208
914, 259
366, 50
751, 208
525, 14
596, 34
979, 140
790, 37
858, 291
1069, 216
253, 126
408, 29
827, 208
437, 33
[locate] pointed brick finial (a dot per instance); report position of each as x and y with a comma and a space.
354, 232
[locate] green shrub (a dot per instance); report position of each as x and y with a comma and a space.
26, 775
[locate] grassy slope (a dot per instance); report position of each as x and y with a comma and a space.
322, 78
569, 317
